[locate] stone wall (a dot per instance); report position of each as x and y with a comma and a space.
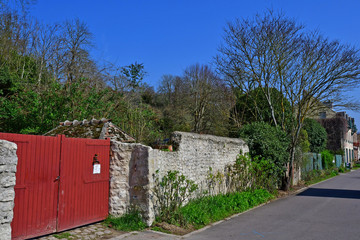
132, 167
195, 154
8, 162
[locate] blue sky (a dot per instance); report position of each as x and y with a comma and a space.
169, 35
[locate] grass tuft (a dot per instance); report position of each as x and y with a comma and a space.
62, 235
130, 221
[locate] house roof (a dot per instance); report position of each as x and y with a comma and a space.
95, 129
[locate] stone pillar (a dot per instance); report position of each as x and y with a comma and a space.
8, 162
129, 178
119, 200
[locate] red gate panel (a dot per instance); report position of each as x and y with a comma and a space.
56, 186
83, 195
36, 192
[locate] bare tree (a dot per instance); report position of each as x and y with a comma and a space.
273, 51
167, 87
198, 101
174, 101
204, 87
77, 42
46, 47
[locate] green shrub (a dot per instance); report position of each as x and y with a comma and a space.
327, 159
171, 191
265, 174
304, 143
317, 135
356, 166
311, 175
267, 142
131, 221
342, 169
247, 173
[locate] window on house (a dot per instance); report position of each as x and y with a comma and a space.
322, 115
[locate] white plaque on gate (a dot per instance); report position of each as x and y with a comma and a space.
96, 169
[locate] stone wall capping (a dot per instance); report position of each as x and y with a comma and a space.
94, 121
67, 123
75, 123
104, 120
95, 129
85, 122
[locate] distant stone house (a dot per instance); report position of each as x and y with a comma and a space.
323, 110
356, 146
340, 128
347, 141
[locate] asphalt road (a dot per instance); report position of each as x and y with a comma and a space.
326, 211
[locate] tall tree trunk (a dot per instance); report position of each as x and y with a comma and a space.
287, 180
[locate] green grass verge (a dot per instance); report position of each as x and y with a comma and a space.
131, 221
356, 166
205, 210
159, 229
320, 179
316, 176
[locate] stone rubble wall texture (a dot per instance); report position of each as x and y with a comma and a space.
132, 167
129, 175
8, 162
196, 153
120, 157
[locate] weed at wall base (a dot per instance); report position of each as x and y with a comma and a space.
315, 176
131, 221
205, 210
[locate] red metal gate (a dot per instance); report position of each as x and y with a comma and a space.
57, 186
83, 195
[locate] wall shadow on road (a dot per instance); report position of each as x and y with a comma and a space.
332, 193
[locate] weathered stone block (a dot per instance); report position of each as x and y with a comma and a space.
9, 168
7, 194
8, 161
5, 231
8, 153
7, 179
6, 206
6, 217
